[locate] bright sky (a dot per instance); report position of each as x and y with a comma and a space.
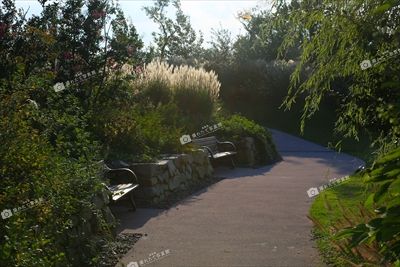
204, 14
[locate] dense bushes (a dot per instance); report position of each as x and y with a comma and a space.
166, 102
351, 232
255, 88
368, 101
138, 119
237, 127
36, 162
49, 140
383, 226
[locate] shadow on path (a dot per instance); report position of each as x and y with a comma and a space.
134, 220
253, 217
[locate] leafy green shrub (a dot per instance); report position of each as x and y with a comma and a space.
263, 84
192, 102
155, 132
132, 129
237, 127
113, 119
384, 227
349, 232
46, 142
31, 168
157, 92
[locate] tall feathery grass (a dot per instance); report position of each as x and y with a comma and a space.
195, 91
186, 77
155, 82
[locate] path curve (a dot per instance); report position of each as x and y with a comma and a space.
254, 217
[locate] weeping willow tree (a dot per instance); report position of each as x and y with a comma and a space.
356, 44
353, 43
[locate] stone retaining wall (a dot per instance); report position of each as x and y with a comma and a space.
248, 156
246, 152
173, 173
157, 181
86, 225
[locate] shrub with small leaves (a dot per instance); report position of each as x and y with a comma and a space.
236, 127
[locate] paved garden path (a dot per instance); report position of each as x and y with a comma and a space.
254, 217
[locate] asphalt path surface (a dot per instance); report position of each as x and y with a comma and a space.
253, 217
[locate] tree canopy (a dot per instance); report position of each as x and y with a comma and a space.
335, 37
176, 37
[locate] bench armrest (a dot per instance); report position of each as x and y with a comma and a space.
106, 187
208, 150
132, 174
227, 143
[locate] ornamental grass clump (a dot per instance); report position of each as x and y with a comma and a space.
194, 91
196, 79
155, 82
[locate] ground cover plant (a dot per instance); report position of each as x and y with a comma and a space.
357, 221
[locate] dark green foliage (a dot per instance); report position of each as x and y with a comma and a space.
157, 92
149, 136
131, 128
125, 43
160, 136
47, 145
255, 88
193, 103
51, 140
385, 227
336, 36
42, 159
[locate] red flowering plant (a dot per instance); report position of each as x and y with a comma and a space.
68, 56
138, 70
97, 14
112, 64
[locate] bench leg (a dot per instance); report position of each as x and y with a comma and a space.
132, 201
232, 163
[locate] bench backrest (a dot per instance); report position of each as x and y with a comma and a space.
210, 142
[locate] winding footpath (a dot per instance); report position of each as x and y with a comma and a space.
254, 217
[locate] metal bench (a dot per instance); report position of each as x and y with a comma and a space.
122, 182
213, 147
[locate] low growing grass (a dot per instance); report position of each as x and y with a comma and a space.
334, 209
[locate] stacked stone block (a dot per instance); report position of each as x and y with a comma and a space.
171, 174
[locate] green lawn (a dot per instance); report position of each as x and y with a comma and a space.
327, 210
